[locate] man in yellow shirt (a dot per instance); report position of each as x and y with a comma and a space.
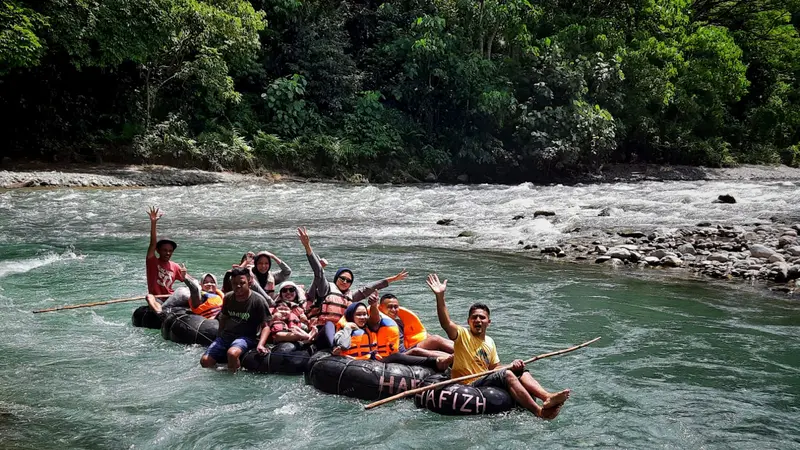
475, 353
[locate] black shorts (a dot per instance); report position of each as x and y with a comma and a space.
494, 379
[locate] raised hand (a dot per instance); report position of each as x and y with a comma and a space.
373, 298
154, 213
182, 268
438, 287
399, 277
302, 234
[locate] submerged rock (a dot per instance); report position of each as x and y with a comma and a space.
444, 222
467, 233
543, 213
725, 198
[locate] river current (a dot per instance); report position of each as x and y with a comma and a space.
681, 364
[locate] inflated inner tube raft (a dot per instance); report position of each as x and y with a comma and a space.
463, 400
285, 357
364, 379
145, 317
181, 326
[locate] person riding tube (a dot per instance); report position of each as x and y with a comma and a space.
414, 339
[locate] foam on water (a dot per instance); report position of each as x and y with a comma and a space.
18, 266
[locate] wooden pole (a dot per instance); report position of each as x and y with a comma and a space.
89, 305
477, 375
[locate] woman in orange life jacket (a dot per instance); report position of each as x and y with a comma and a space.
332, 298
427, 345
205, 301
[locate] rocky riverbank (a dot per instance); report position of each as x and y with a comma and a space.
117, 176
767, 253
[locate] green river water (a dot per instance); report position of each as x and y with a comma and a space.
679, 365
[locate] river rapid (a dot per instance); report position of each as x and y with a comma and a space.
681, 364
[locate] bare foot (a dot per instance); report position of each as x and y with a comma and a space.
443, 362
556, 399
551, 413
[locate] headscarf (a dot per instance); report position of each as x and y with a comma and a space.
350, 312
341, 271
263, 278
301, 295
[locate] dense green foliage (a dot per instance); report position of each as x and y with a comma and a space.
501, 90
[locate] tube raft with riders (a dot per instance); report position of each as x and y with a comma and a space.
264, 322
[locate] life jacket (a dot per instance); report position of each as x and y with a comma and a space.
211, 306
284, 324
333, 306
413, 330
362, 344
387, 339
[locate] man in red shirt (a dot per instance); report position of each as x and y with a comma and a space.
161, 272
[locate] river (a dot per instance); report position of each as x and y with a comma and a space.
681, 363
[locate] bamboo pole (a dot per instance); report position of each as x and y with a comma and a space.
477, 375
89, 305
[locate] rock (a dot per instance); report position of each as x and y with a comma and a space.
444, 222
552, 249
521, 243
661, 253
631, 234
617, 262
775, 258
779, 272
671, 261
529, 247
467, 234
703, 224
580, 258
719, 257
796, 227
600, 249
609, 211
785, 241
793, 273
652, 260
518, 217
687, 249
793, 250
543, 213
790, 232
574, 230
725, 199
619, 253
761, 251
602, 259
430, 178
463, 178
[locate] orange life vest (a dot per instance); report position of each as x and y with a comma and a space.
366, 344
387, 339
413, 330
362, 344
211, 306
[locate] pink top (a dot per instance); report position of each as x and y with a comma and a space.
161, 275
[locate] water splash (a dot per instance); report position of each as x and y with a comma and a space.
17, 266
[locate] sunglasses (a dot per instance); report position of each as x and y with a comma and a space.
345, 279
285, 290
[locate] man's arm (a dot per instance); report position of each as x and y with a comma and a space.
439, 289
154, 215
262, 348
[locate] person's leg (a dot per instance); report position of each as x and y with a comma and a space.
153, 303
325, 334
216, 352
535, 389
520, 394
440, 363
416, 351
436, 342
179, 298
237, 348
